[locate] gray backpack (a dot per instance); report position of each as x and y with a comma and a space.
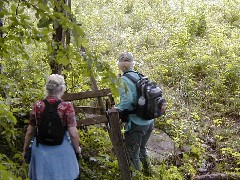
150, 98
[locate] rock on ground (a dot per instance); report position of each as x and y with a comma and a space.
160, 145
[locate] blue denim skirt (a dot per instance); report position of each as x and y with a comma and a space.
54, 162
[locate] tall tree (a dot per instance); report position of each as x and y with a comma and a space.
1, 36
58, 38
1, 57
61, 36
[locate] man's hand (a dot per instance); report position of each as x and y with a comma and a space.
112, 110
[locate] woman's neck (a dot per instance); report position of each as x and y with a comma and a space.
54, 96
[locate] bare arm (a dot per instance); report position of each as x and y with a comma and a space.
74, 138
28, 138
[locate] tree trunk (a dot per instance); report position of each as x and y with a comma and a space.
68, 31
218, 177
1, 36
59, 38
2, 93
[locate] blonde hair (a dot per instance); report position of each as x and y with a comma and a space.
55, 85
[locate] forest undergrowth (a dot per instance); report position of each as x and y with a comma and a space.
190, 48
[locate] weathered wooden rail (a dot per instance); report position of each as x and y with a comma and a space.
97, 115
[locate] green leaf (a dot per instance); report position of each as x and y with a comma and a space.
1, 14
1, 4
20, 10
63, 60
43, 22
13, 7
2, 77
37, 14
56, 23
79, 30
43, 7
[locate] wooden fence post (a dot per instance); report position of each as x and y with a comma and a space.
118, 146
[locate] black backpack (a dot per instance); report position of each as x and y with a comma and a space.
50, 130
150, 98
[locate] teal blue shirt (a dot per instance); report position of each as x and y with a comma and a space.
128, 98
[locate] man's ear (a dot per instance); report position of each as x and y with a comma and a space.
134, 62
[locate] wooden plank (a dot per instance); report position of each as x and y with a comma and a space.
89, 110
92, 121
86, 94
118, 145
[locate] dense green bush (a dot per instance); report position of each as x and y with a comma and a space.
191, 48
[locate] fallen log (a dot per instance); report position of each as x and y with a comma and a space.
218, 177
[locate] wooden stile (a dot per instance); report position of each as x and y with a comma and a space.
86, 95
97, 115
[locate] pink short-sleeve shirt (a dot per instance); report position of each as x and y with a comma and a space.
65, 110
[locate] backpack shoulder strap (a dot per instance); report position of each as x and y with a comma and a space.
55, 105
46, 102
131, 77
134, 80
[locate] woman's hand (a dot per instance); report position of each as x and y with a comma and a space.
27, 141
23, 156
79, 150
78, 153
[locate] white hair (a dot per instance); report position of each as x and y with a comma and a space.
55, 85
126, 61
126, 65
126, 56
